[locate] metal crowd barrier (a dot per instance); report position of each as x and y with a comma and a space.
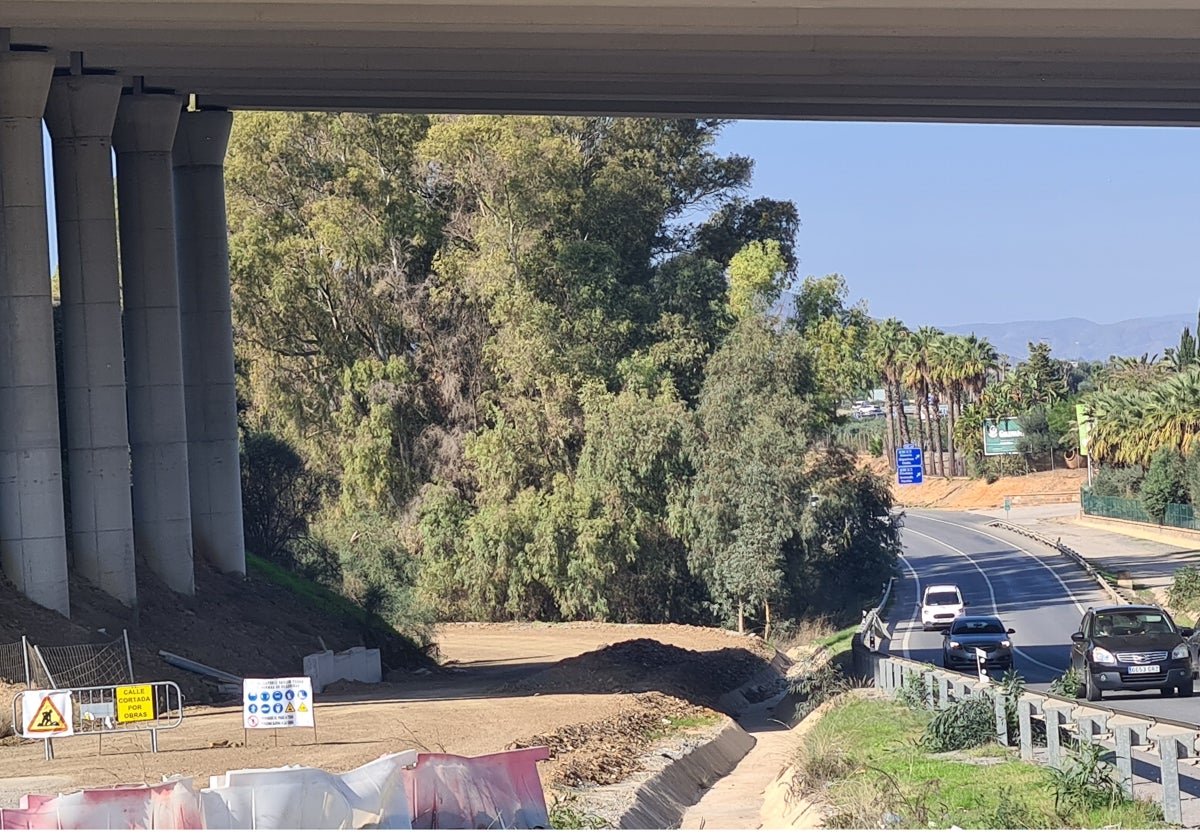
117, 709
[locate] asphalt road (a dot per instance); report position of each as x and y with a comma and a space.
1038, 593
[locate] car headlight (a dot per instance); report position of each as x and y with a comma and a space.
955, 644
1180, 652
1006, 643
1103, 657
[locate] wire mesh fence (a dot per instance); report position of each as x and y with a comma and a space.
1132, 510
69, 666
12, 663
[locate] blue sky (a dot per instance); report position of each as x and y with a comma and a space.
949, 224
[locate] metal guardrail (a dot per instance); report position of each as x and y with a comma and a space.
1174, 739
1065, 551
96, 710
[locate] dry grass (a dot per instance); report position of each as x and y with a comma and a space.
822, 758
7, 692
807, 633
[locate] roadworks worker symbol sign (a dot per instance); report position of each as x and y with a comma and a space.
47, 714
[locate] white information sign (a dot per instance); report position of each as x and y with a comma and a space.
283, 701
47, 714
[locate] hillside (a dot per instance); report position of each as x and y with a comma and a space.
251, 627
1083, 340
976, 494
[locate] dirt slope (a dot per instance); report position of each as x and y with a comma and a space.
247, 627
969, 494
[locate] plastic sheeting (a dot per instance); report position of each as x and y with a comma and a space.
401, 790
172, 804
502, 790
373, 795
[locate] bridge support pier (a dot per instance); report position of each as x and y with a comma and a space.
80, 114
144, 136
207, 328
33, 547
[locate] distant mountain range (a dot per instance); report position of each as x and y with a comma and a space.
1078, 339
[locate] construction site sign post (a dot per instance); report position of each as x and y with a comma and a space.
278, 703
134, 703
47, 714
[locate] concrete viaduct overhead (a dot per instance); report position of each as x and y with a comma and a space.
150, 429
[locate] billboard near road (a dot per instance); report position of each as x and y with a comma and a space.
1001, 436
1084, 421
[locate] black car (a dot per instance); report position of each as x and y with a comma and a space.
1131, 649
970, 633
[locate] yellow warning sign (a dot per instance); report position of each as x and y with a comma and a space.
47, 719
303, 708
291, 710
135, 703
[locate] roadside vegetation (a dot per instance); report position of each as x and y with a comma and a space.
542, 368
873, 764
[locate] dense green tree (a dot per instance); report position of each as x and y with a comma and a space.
1165, 483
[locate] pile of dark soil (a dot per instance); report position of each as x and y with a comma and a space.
248, 627
606, 751
639, 665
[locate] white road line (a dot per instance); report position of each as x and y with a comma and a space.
991, 591
1039, 561
916, 616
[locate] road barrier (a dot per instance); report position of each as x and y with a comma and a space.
115, 709
1068, 552
1066, 721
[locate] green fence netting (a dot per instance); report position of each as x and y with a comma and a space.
1132, 510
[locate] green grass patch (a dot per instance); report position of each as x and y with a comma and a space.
675, 725
396, 649
839, 642
888, 779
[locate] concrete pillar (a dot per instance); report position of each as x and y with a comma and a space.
80, 114
144, 135
205, 311
33, 546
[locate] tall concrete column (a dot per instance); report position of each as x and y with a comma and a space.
80, 115
162, 520
203, 251
33, 547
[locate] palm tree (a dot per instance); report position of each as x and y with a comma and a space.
885, 346
920, 380
949, 364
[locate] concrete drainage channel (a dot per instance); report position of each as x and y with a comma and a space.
680, 771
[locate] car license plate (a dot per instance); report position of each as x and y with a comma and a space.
1143, 669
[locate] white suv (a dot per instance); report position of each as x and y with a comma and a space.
940, 605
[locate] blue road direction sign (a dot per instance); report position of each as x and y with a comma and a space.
910, 465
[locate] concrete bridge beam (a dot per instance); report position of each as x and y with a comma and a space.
207, 324
80, 115
33, 548
162, 522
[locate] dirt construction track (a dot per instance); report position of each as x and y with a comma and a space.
503, 684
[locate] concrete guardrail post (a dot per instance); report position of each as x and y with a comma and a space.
1001, 718
1090, 723
930, 690
1027, 706
877, 670
1128, 732
1174, 743
1057, 714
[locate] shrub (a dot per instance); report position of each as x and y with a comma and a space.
1165, 483
1184, 591
1085, 782
817, 686
1068, 684
915, 693
1123, 482
967, 723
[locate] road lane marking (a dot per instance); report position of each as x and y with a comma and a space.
991, 592
1039, 561
916, 610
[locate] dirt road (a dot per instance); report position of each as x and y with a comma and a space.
479, 706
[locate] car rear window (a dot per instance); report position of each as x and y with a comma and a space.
978, 626
941, 599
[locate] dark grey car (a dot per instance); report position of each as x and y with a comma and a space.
1132, 648
971, 633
